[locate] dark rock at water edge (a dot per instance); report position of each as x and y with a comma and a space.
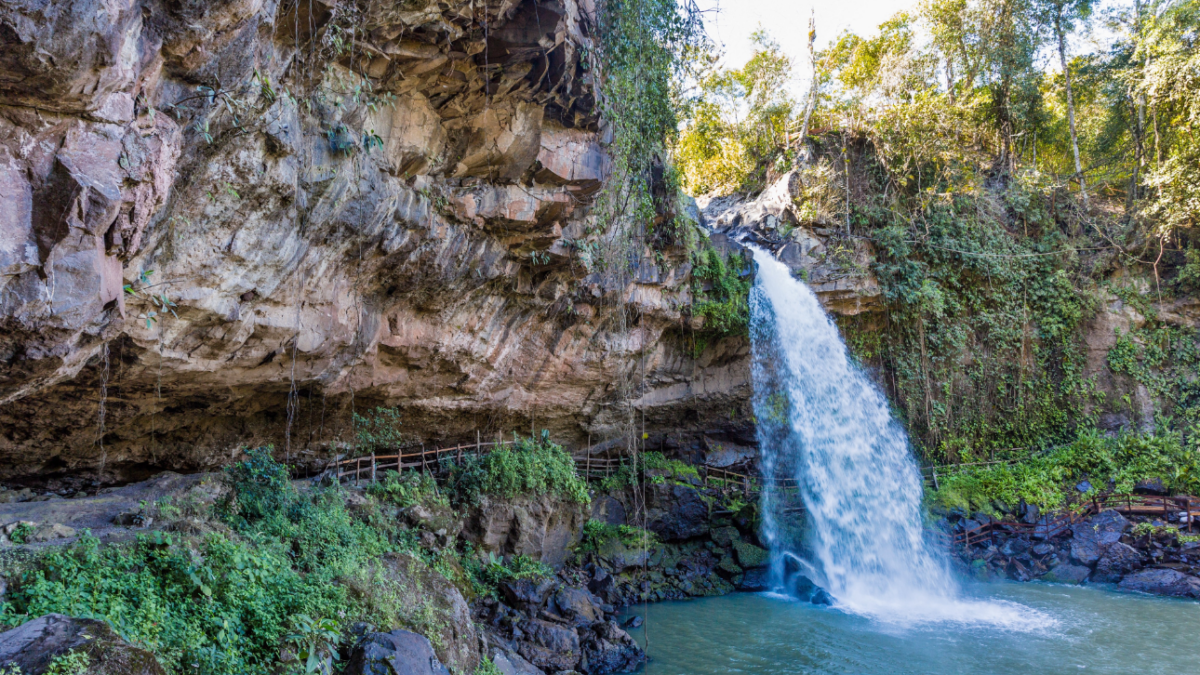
1066, 573
1162, 582
1118, 560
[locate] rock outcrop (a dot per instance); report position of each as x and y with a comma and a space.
34, 647
236, 223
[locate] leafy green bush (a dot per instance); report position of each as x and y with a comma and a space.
722, 291
20, 533
409, 489
378, 431
486, 574
597, 533
1047, 479
224, 603
262, 487
529, 467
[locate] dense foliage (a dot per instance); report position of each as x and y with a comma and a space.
528, 467
1090, 464
276, 567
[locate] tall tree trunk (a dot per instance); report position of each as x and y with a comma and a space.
811, 103
1062, 57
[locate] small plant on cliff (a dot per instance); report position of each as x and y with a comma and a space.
379, 431
315, 641
486, 574
409, 489
21, 533
721, 292
597, 533
527, 467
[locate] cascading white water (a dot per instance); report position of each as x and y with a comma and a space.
822, 422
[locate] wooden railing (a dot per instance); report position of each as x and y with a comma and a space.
369, 468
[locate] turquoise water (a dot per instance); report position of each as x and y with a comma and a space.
1090, 631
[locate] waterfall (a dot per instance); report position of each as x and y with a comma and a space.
823, 423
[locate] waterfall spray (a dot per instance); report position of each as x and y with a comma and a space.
822, 422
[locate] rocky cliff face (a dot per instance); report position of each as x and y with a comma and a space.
235, 222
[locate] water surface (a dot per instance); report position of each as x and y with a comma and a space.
1093, 631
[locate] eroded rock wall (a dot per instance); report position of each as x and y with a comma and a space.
315, 208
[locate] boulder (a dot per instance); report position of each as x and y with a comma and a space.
1066, 573
395, 653
527, 594
757, 579
420, 598
675, 512
749, 555
549, 646
543, 527
609, 649
1092, 537
509, 663
1118, 560
1150, 486
1162, 582
51, 532
33, 645
578, 605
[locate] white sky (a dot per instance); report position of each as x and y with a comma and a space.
730, 23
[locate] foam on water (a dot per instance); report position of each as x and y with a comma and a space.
822, 422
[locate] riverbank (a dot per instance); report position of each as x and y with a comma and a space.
504, 562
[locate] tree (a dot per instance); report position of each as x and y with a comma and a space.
1062, 15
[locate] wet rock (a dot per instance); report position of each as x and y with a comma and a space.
398, 651
608, 509
633, 622
549, 646
1014, 547
749, 555
1066, 573
34, 644
1043, 549
1118, 560
724, 536
755, 580
1091, 537
1162, 582
676, 512
609, 649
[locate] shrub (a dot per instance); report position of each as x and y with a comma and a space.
486, 574
1047, 479
224, 603
597, 533
409, 489
528, 467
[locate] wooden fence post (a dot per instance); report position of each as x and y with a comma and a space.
372, 467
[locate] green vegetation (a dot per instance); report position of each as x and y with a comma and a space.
409, 489
721, 292
627, 475
997, 192
487, 575
597, 533
277, 567
378, 431
21, 533
528, 467
1049, 480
